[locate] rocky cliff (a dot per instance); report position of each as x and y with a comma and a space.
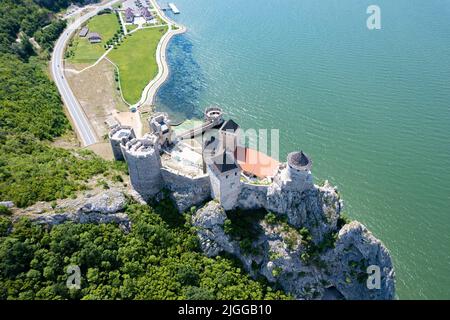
304, 246
104, 207
298, 241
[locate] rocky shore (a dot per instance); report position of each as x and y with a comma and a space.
310, 252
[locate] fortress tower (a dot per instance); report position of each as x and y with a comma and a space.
214, 115
144, 166
229, 136
160, 126
120, 135
296, 174
224, 174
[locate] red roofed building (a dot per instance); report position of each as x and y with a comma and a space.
256, 163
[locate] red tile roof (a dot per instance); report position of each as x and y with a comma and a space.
257, 163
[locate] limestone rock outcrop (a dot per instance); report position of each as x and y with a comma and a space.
105, 203
357, 248
317, 209
105, 207
7, 204
209, 221
329, 261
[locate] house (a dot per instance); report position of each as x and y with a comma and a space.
84, 31
129, 15
94, 37
145, 13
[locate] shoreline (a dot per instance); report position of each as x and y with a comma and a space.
150, 91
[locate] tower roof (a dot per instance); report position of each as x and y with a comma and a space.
230, 126
224, 162
299, 161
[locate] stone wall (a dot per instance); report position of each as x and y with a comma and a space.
186, 191
117, 149
225, 186
252, 196
145, 173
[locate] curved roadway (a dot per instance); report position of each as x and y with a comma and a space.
80, 121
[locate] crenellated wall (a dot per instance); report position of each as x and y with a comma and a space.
222, 181
118, 136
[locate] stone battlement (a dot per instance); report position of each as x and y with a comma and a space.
141, 148
223, 177
118, 136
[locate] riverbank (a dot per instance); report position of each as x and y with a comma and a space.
149, 93
157, 53
370, 108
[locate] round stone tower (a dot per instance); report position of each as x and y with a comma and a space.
214, 114
144, 166
296, 175
120, 135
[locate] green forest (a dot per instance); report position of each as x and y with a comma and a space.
159, 259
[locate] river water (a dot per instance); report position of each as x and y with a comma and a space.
372, 108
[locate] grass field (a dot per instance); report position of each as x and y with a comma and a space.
136, 59
83, 51
131, 27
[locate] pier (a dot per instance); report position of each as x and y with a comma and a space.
171, 7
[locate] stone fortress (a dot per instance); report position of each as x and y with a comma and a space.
217, 167
209, 161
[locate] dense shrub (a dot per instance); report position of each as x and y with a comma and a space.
4, 210
31, 171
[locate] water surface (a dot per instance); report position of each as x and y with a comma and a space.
372, 108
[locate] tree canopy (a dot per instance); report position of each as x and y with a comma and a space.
156, 260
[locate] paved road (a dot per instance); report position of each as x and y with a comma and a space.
85, 132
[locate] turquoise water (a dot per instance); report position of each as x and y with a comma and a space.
372, 108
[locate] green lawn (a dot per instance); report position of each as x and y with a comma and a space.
136, 58
84, 52
131, 27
